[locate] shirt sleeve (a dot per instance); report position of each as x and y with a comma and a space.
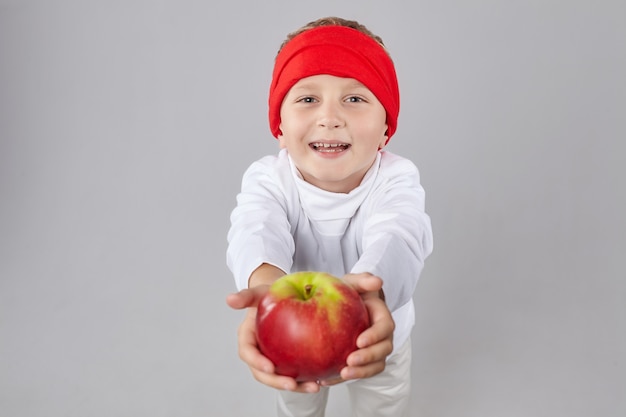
397, 234
260, 229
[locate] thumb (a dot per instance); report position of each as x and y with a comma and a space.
364, 282
249, 297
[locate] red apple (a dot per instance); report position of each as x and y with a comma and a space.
308, 323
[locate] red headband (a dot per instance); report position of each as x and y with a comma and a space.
340, 51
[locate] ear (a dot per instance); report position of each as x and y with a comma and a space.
280, 137
384, 140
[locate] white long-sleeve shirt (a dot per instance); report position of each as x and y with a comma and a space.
379, 227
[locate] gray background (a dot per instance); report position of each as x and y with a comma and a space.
125, 127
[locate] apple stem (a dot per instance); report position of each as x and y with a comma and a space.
307, 291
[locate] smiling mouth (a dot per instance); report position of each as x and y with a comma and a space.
329, 147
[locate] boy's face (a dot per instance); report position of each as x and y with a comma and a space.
333, 128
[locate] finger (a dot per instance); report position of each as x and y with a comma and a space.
370, 354
248, 347
382, 324
330, 382
309, 387
285, 383
366, 371
364, 282
249, 297
237, 300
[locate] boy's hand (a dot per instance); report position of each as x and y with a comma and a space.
376, 342
261, 367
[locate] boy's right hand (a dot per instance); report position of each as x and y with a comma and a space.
261, 367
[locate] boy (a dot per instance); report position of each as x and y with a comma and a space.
332, 200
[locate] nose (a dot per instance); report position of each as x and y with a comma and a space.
330, 115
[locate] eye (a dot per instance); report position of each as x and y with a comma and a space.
306, 99
355, 99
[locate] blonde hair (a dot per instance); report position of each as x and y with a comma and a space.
333, 21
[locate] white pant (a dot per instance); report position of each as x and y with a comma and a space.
385, 394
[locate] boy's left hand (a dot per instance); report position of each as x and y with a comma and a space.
376, 342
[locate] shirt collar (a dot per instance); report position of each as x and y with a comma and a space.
322, 205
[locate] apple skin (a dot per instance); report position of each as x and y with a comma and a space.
307, 325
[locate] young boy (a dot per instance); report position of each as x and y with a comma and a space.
332, 200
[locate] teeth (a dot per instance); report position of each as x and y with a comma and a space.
329, 145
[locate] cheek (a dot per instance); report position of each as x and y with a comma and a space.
374, 121
375, 131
